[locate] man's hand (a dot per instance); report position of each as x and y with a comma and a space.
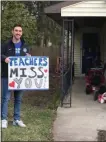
27, 54
7, 60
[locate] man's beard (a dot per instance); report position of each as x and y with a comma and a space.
17, 38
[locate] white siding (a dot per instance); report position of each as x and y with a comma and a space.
77, 53
85, 8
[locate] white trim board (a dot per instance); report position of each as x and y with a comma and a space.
85, 9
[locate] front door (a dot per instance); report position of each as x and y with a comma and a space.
90, 50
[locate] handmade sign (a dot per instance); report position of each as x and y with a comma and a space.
28, 73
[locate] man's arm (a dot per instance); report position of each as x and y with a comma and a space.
28, 52
3, 56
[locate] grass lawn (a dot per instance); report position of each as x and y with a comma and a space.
36, 114
38, 121
39, 125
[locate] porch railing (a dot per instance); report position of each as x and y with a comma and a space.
67, 60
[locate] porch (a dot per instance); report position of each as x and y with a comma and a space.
86, 117
77, 19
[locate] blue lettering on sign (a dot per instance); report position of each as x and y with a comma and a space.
40, 62
13, 61
35, 60
22, 61
45, 59
27, 62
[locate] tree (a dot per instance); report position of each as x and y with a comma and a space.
48, 30
16, 13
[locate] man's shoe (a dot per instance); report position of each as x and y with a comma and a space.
4, 123
18, 123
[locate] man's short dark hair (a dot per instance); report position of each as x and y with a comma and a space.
17, 25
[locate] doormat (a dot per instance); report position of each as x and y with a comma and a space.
101, 135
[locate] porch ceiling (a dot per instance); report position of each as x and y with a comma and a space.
90, 21
81, 22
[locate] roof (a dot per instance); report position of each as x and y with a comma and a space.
56, 8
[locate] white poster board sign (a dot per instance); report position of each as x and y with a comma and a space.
28, 73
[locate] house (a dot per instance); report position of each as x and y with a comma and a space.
84, 31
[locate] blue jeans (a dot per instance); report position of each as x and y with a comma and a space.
5, 94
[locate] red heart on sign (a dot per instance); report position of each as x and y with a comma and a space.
45, 70
12, 84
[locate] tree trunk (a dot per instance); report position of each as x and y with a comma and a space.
42, 41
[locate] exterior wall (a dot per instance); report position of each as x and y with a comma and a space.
77, 53
78, 47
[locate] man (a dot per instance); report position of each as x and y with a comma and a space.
15, 47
